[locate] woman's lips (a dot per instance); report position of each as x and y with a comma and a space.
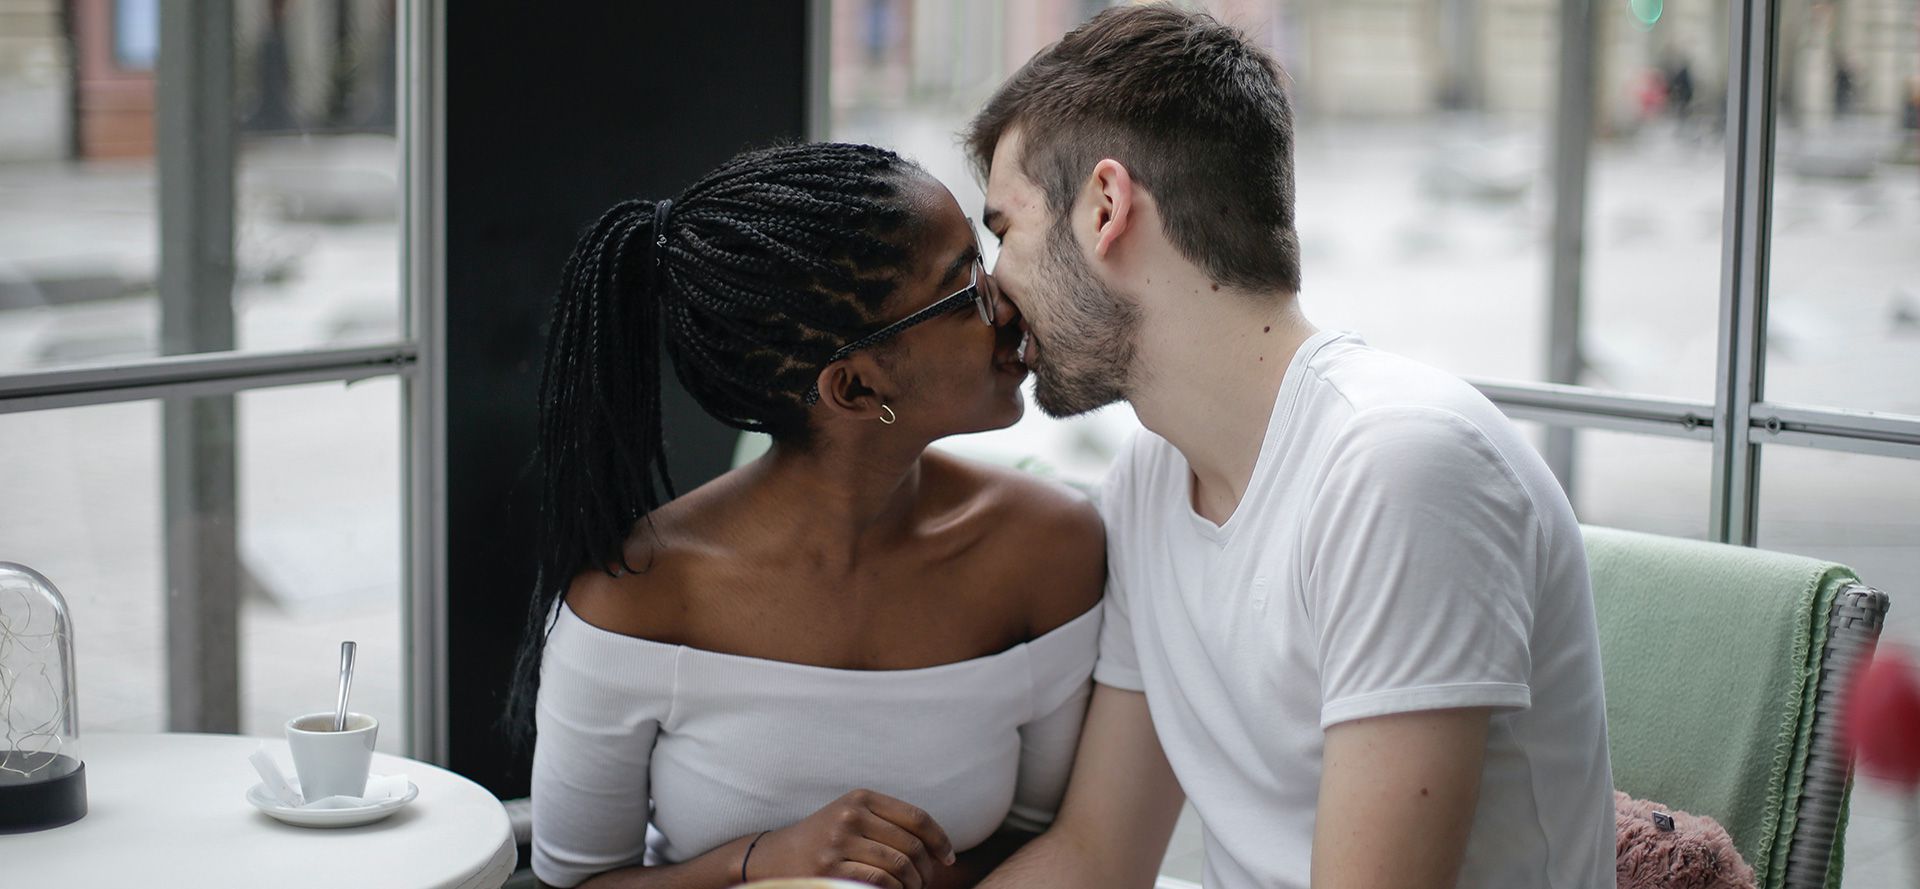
1012, 355
1015, 364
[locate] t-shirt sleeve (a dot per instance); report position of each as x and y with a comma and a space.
1119, 663
1060, 664
1419, 556
598, 714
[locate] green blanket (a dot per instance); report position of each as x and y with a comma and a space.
1712, 656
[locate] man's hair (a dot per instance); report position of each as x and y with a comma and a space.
1195, 112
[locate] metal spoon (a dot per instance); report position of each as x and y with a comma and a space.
346, 684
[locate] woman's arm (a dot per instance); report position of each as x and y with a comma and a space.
718, 869
863, 836
593, 753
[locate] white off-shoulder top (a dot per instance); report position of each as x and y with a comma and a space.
655, 753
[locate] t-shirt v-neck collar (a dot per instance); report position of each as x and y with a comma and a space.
1278, 423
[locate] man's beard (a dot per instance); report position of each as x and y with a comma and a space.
1084, 363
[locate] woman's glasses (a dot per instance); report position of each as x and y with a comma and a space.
977, 292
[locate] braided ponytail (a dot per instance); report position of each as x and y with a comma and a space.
751, 278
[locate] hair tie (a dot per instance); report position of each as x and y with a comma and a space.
660, 227
657, 247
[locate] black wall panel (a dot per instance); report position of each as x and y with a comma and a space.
554, 112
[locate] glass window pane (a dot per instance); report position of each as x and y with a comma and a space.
1655, 203
1425, 193
1645, 483
316, 242
1862, 511
321, 538
1642, 482
80, 503
1843, 315
317, 472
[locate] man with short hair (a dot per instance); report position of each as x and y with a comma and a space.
1348, 612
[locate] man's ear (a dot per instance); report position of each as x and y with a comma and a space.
852, 387
1110, 190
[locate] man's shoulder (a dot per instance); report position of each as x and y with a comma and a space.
1362, 378
1376, 405
1436, 440
1141, 476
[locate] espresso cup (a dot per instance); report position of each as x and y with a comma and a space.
331, 763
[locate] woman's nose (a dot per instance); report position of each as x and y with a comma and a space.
1004, 311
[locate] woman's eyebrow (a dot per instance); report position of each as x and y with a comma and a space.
959, 264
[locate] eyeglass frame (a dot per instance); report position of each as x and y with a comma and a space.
976, 291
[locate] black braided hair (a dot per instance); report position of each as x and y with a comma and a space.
760, 271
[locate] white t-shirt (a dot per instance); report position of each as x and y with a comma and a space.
1400, 548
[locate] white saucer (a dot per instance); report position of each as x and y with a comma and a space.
352, 817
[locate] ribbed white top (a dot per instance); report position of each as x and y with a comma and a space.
656, 753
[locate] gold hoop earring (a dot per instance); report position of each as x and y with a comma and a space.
889, 417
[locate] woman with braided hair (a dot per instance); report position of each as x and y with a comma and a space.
853, 657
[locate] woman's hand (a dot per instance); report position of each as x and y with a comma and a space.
864, 836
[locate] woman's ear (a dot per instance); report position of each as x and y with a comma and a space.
1111, 192
852, 386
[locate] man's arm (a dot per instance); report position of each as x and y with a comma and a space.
1397, 797
1119, 810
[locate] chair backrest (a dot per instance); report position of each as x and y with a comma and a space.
1723, 666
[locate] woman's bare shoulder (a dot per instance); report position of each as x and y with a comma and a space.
1047, 536
645, 591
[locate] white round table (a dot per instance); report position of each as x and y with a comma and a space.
171, 810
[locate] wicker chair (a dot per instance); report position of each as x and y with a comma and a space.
1692, 632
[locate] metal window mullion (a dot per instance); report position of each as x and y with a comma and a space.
194, 152
1905, 449
1752, 47
1578, 406
1572, 141
196, 375
1838, 421
1838, 429
424, 420
819, 68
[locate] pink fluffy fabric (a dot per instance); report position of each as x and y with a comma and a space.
1696, 854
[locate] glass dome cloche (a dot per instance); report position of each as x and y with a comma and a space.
43, 782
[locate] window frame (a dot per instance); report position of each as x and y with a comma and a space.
207, 699
1737, 423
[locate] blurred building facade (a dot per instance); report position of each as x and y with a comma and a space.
1399, 58
35, 81
76, 76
